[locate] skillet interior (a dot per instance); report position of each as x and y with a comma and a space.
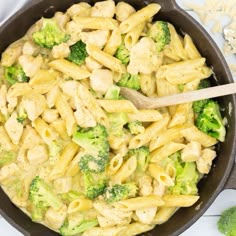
209, 187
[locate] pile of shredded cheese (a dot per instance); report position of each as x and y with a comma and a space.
215, 10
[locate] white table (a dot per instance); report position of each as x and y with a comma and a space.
206, 225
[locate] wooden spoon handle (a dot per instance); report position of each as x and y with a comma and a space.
196, 95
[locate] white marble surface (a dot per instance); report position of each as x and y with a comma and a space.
206, 225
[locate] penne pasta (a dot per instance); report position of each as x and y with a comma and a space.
105, 59
140, 203
113, 42
179, 200
165, 151
145, 115
117, 106
80, 204
193, 133
164, 214
139, 17
132, 37
70, 69
126, 170
66, 157
158, 173
85, 22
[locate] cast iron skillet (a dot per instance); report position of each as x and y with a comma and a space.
209, 187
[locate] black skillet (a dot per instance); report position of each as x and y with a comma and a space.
210, 186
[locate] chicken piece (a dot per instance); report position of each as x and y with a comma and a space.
80, 9
92, 64
29, 48
30, 64
55, 218
123, 11
14, 128
145, 185
101, 80
205, 161
50, 115
144, 58
97, 37
34, 105
11, 54
60, 51
104, 9
37, 155
191, 152
147, 215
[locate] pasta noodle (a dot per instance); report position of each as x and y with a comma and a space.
104, 167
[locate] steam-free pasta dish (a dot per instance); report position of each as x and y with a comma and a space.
78, 157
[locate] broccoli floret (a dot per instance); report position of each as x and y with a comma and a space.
41, 196
70, 196
120, 192
22, 115
54, 149
78, 53
199, 105
69, 229
227, 222
160, 33
117, 122
94, 185
6, 157
123, 54
187, 176
143, 157
95, 141
15, 74
113, 93
205, 83
135, 127
50, 34
210, 121
130, 81
181, 87
92, 164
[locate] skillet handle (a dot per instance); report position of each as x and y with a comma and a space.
231, 182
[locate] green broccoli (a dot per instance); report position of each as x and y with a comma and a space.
120, 192
6, 157
70, 229
78, 53
41, 197
160, 33
54, 148
70, 196
113, 93
117, 122
181, 87
22, 115
187, 176
123, 54
199, 105
205, 83
50, 34
94, 185
210, 121
130, 81
227, 222
15, 74
143, 157
93, 164
95, 141
135, 127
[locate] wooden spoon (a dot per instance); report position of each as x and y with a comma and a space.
142, 102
